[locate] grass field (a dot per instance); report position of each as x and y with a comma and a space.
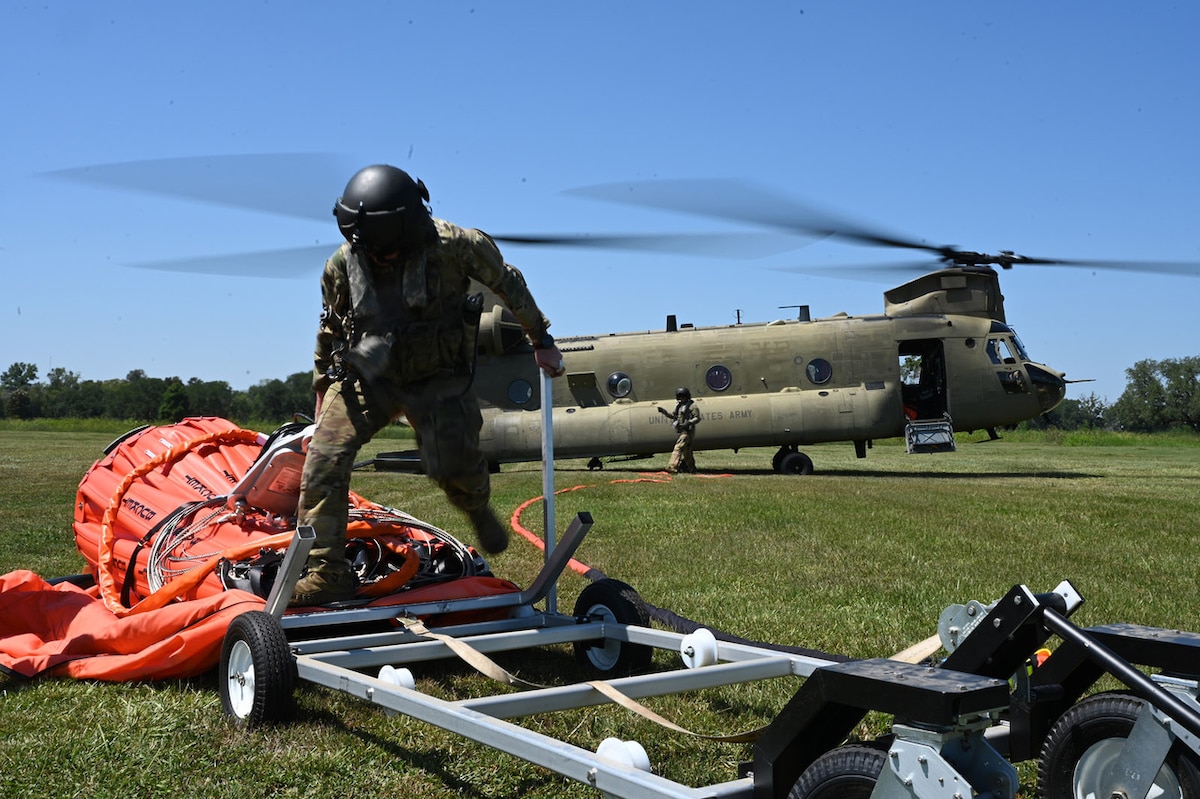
858, 559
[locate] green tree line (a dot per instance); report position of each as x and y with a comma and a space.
1159, 396
138, 397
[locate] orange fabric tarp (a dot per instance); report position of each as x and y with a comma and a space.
124, 628
67, 631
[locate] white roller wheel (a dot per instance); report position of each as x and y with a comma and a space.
627, 753
400, 677
698, 648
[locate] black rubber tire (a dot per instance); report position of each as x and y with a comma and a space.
257, 674
795, 463
614, 601
1090, 733
848, 772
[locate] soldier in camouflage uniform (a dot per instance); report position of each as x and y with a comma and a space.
684, 419
397, 336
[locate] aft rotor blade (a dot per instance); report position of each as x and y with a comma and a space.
1185, 268
744, 201
870, 273
279, 264
727, 245
298, 185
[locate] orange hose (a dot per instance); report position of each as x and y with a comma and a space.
577, 566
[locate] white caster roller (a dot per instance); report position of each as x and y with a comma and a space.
698, 648
627, 753
400, 677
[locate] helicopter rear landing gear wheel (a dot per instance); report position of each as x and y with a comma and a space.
1081, 754
613, 601
257, 673
848, 772
795, 463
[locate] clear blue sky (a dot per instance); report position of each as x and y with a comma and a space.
1064, 129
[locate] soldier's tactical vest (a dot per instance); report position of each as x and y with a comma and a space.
408, 321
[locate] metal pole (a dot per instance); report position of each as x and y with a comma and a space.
289, 570
548, 480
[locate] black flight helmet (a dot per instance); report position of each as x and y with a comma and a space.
682, 394
383, 211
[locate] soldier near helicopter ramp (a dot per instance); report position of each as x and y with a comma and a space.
397, 337
685, 418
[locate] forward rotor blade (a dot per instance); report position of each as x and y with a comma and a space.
298, 185
283, 264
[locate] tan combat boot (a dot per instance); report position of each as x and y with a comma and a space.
328, 579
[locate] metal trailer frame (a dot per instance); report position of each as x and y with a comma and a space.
954, 723
933, 698
956, 726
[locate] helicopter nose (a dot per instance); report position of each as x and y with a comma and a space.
1050, 385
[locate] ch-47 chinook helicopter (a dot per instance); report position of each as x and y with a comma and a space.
940, 358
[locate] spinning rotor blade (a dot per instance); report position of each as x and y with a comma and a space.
868, 272
1185, 268
293, 262
305, 185
743, 201
298, 185
727, 245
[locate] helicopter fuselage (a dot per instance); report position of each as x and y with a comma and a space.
782, 383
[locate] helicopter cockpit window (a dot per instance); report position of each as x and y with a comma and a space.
718, 378
619, 385
1020, 348
819, 371
520, 392
1000, 350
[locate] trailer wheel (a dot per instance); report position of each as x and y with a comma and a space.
613, 601
257, 672
848, 772
795, 463
1086, 741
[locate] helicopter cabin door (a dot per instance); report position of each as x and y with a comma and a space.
924, 397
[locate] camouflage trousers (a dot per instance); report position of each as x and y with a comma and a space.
681, 457
446, 422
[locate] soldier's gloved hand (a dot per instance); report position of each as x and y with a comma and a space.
550, 360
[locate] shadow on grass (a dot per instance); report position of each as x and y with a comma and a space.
768, 472
1050, 475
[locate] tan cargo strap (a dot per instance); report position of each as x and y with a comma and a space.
476, 659
490, 668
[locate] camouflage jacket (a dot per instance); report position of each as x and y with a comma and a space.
406, 322
686, 417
